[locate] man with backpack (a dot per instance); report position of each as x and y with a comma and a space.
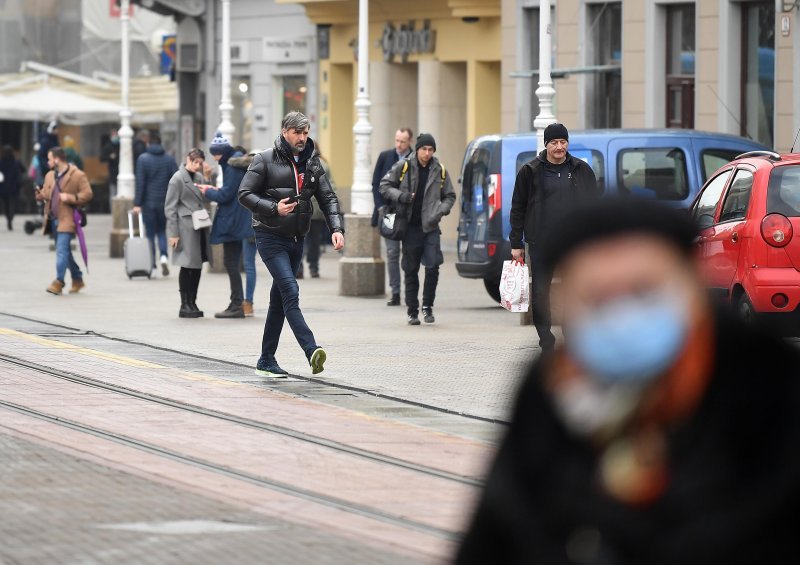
420, 189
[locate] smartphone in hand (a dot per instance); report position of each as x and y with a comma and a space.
292, 199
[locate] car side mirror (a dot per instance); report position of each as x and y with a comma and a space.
705, 221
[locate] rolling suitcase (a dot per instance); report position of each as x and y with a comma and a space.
138, 258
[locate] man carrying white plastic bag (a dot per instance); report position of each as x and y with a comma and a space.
514, 286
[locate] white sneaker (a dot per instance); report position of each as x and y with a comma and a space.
164, 265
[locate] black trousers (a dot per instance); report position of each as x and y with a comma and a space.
314, 244
189, 281
232, 259
10, 207
540, 296
420, 248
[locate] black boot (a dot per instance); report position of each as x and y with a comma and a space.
186, 310
193, 305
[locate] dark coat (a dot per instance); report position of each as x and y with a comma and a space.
46, 142
438, 195
527, 208
154, 169
271, 178
734, 467
10, 168
383, 165
232, 222
110, 156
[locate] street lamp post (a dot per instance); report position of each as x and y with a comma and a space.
125, 178
226, 126
545, 92
362, 271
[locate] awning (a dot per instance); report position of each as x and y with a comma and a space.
152, 99
46, 103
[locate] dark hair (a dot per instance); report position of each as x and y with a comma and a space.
155, 139
58, 153
408, 131
195, 153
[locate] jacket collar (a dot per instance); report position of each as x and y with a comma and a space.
283, 149
570, 160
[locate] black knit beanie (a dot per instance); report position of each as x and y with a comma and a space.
555, 131
425, 140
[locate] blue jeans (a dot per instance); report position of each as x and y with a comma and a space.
155, 225
64, 258
249, 257
283, 256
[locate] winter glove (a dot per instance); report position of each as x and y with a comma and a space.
405, 197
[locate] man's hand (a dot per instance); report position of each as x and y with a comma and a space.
137, 210
405, 197
66, 198
338, 240
285, 207
173, 242
518, 255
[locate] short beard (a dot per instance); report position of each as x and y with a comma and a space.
297, 150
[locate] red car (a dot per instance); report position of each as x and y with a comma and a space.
749, 244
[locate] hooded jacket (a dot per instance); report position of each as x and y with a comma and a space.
272, 176
154, 169
528, 205
437, 194
231, 221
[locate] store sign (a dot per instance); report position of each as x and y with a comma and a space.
287, 49
406, 40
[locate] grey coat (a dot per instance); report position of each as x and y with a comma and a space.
183, 198
438, 196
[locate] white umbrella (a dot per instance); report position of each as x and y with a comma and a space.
47, 103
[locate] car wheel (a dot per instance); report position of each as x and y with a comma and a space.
745, 309
493, 288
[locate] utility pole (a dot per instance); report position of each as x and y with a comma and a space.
123, 201
226, 126
362, 271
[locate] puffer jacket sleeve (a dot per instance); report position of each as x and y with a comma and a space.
330, 204
251, 189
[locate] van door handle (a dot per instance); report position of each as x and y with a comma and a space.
735, 237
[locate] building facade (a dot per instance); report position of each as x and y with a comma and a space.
731, 66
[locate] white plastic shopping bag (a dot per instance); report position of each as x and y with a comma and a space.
514, 287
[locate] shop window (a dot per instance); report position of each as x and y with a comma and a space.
758, 71
605, 88
658, 173
680, 65
295, 93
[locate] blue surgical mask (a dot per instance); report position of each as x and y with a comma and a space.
631, 339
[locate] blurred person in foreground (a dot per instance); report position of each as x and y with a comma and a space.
663, 432
277, 188
190, 246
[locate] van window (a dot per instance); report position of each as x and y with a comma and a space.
735, 206
783, 192
596, 164
654, 173
706, 206
715, 159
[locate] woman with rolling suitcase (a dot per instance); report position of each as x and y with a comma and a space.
188, 226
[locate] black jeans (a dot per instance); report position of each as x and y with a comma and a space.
420, 248
283, 256
232, 258
540, 297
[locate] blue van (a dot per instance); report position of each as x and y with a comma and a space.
668, 165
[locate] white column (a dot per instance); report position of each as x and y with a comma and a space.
362, 173
226, 126
545, 92
125, 179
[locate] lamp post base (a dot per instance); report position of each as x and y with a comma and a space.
362, 271
119, 225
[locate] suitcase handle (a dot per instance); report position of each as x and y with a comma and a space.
130, 224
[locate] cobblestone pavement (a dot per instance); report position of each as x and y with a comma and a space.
58, 508
470, 361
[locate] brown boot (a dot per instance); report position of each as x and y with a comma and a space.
77, 285
56, 287
247, 306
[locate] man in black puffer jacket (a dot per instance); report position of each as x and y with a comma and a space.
277, 188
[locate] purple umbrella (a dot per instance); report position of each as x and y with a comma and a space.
76, 216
